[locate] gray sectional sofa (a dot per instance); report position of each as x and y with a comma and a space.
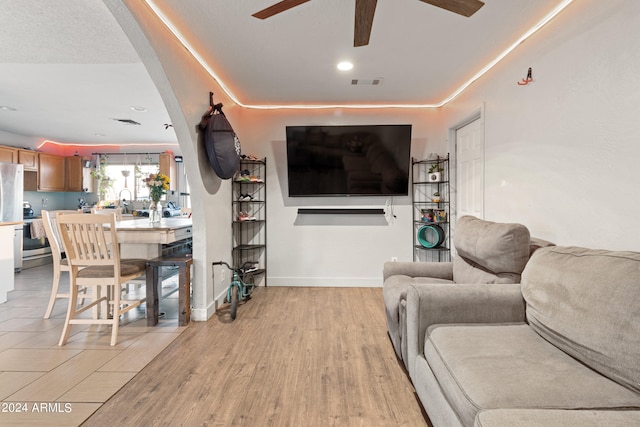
561, 348
487, 252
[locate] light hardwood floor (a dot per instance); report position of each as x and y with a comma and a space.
43, 384
293, 357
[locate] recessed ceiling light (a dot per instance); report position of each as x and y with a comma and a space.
345, 66
7, 108
139, 109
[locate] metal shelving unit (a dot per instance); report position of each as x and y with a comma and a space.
430, 197
249, 211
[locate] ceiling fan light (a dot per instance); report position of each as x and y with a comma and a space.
345, 66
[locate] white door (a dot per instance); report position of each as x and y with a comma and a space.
470, 169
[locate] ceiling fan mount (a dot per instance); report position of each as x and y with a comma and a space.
365, 10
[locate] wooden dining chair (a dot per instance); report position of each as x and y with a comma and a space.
60, 263
107, 211
91, 245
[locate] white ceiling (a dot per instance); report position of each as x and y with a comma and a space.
68, 70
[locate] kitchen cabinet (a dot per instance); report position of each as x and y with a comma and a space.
59, 173
51, 172
168, 167
29, 159
8, 155
74, 173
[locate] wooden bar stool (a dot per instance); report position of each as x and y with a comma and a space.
108, 211
91, 244
60, 264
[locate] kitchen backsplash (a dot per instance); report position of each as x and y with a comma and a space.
55, 200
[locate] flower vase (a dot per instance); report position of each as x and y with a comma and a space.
155, 212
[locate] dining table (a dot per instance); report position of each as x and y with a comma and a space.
160, 244
139, 238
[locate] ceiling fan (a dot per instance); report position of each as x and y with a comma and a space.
365, 9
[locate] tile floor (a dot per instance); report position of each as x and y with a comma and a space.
43, 384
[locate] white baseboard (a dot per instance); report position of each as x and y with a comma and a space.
220, 298
327, 282
203, 314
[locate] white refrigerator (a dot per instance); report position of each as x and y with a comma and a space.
11, 193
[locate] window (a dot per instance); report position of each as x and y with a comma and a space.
127, 181
119, 179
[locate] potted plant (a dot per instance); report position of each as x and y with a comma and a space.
434, 173
436, 197
104, 180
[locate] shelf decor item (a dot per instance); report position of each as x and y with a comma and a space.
434, 173
158, 185
427, 215
431, 236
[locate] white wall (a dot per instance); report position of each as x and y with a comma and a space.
330, 250
562, 152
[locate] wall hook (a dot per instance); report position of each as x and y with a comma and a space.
526, 80
212, 106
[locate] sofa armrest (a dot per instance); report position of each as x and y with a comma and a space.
443, 303
438, 270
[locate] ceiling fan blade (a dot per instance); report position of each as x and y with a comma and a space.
277, 8
461, 7
365, 9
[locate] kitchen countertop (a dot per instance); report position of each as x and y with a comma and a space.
144, 224
2, 224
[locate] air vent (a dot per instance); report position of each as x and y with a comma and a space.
367, 82
127, 122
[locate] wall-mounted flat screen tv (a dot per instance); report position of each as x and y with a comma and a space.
354, 160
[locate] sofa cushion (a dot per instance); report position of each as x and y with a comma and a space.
510, 366
497, 248
587, 303
536, 243
556, 417
467, 272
